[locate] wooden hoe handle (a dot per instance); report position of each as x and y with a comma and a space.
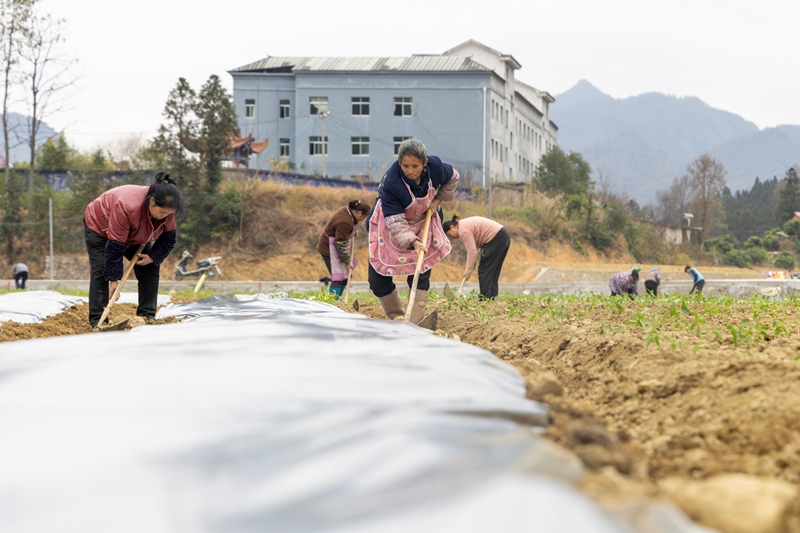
125, 275
420, 256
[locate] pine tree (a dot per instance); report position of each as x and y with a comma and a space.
789, 201
217, 124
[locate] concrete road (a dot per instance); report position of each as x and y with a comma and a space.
741, 288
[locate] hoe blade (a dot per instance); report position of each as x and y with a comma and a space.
429, 322
448, 292
122, 324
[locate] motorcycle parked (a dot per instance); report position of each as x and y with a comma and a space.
209, 266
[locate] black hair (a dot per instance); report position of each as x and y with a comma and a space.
450, 223
358, 205
687, 267
635, 275
165, 193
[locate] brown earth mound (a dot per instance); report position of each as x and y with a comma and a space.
662, 421
71, 321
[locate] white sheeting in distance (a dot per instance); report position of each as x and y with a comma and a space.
304, 419
30, 307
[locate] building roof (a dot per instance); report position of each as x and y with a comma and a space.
544, 95
417, 63
507, 58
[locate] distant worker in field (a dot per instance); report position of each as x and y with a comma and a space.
493, 241
413, 184
20, 274
337, 240
115, 224
697, 278
626, 282
652, 282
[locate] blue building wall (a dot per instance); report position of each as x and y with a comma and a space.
447, 115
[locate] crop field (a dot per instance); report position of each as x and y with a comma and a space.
686, 398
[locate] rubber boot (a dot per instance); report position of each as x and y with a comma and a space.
336, 291
392, 305
420, 302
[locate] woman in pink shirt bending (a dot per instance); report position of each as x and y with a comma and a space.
493, 241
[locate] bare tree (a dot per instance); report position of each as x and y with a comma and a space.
604, 190
707, 179
123, 151
48, 75
14, 18
673, 202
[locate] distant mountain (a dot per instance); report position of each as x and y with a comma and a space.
640, 143
765, 154
18, 137
628, 154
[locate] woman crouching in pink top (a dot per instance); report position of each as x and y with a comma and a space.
493, 241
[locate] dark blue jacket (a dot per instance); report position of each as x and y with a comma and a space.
393, 193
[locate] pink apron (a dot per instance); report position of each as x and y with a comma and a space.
339, 269
386, 255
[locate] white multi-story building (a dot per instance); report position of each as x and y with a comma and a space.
520, 126
347, 116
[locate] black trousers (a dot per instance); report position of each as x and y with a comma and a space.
334, 284
384, 285
699, 286
651, 287
147, 276
493, 254
20, 279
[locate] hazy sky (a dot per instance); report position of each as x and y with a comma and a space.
734, 55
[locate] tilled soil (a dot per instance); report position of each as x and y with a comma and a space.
711, 427
71, 321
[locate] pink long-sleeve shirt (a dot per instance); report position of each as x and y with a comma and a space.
474, 232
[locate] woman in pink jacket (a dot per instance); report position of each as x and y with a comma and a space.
115, 224
491, 238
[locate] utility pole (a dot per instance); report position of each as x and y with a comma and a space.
322, 115
52, 258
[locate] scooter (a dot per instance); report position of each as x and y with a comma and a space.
209, 266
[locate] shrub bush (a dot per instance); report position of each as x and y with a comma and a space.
754, 242
722, 244
737, 258
792, 227
772, 243
757, 256
785, 261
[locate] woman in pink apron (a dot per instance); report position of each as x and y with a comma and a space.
413, 184
336, 243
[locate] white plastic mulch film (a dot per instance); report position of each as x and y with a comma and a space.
275, 415
28, 307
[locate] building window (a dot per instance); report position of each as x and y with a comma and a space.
286, 148
318, 104
249, 109
402, 106
359, 145
285, 109
397, 142
316, 146
360, 106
